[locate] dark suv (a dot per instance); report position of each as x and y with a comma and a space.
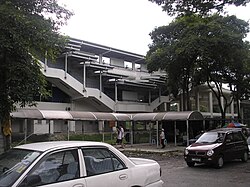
217, 146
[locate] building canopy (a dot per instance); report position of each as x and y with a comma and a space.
104, 116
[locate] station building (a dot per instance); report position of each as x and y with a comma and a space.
95, 87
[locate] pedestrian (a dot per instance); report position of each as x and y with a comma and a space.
120, 136
162, 139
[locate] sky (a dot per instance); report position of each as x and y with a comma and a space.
121, 24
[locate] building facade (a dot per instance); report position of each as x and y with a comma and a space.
89, 77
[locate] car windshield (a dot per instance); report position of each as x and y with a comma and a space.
13, 163
211, 137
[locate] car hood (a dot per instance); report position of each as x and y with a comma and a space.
202, 146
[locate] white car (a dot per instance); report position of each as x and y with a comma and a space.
75, 163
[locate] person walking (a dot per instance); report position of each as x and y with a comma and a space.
120, 136
162, 139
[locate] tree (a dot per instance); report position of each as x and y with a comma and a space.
201, 7
28, 29
225, 60
195, 50
175, 49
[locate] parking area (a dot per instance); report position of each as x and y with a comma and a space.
176, 173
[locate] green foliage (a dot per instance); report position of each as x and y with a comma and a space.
201, 7
27, 28
195, 50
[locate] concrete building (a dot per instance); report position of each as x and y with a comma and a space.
89, 82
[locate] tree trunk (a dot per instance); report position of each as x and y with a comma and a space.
6, 132
2, 142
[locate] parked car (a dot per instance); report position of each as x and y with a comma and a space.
75, 163
217, 146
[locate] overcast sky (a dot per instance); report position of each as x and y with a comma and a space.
121, 24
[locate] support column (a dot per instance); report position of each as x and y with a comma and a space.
157, 133
68, 129
131, 133
204, 125
232, 108
51, 127
25, 131
159, 95
115, 94
197, 100
84, 77
100, 59
181, 102
165, 107
210, 101
100, 84
187, 132
133, 66
65, 65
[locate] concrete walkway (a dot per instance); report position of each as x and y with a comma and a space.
152, 148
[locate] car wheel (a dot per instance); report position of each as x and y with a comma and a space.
220, 162
244, 157
190, 164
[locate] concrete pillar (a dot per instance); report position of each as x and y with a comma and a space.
100, 59
100, 84
84, 77
232, 108
65, 65
197, 100
210, 101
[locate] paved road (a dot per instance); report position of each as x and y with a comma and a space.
175, 173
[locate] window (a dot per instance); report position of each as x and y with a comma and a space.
99, 160
13, 163
56, 167
229, 138
237, 137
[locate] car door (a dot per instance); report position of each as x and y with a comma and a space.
104, 168
229, 151
60, 168
240, 146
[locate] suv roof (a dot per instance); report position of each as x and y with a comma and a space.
225, 130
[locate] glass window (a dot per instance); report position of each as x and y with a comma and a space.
229, 137
238, 137
211, 137
98, 161
53, 168
13, 163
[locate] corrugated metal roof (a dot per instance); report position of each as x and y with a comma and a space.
27, 113
103, 116
186, 115
85, 116
144, 117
